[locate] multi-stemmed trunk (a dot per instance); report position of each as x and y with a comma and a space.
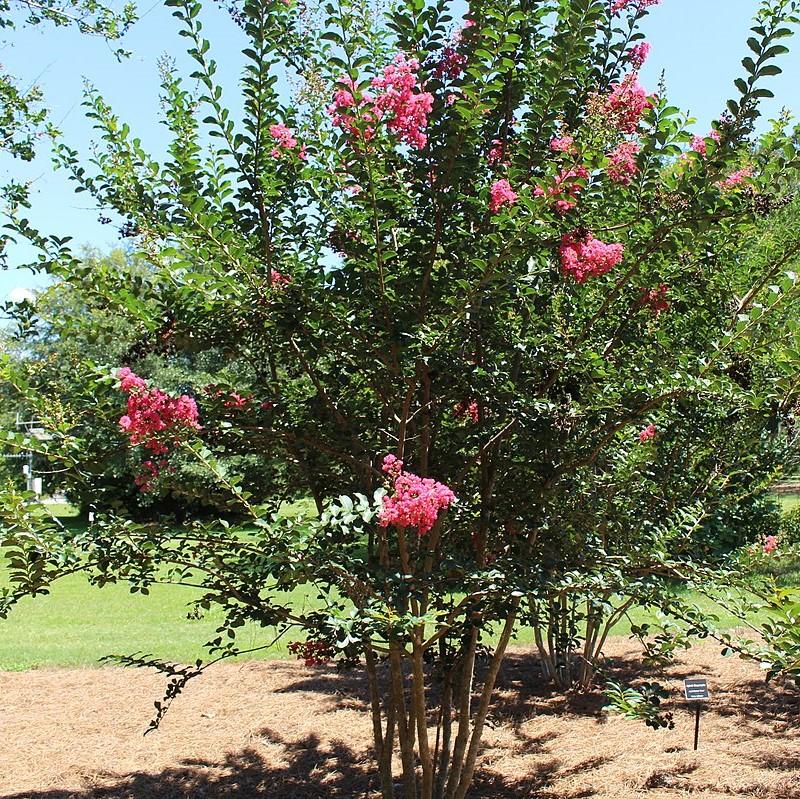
570, 633
427, 703
435, 725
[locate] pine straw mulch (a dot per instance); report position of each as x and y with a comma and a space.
277, 730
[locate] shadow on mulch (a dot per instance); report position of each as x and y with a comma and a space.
521, 689
311, 773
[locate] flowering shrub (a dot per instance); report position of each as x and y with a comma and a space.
410, 265
285, 141
638, 55
565, 189
700, 144
399, 103
638, 5
648, 434
735, 178
155, 420
624, 106
562, 144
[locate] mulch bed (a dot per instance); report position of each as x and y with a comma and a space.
278, 730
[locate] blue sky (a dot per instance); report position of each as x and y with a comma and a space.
698, 43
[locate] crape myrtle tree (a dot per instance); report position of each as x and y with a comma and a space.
505, 314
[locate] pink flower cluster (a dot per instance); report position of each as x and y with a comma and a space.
563, 144
699, 144
285, 141
637, 55
399, 103
409, 111
584, 256
501, 194
278, 279
416, 501
648, 434
152, 415
735, 178
640, 5
623, 106
467, 409
154, 419
451, 64
770, 544
565, 188
622, 164
655, 299
496, 154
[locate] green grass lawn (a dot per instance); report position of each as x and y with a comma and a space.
77, 624
788, 501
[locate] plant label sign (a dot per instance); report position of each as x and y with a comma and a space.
696, 689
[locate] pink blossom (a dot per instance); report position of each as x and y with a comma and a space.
770, 544
496, 153
655, 299
637, 55
392, 465
408, 111
565, 189
639, 5
399, 104
416, 501
278, 279
344, 99
699, 144
648, 434
623, 106
128, 381
467, 409
562, 144
501, 194
622, 164
285, 141
585, 256
735, 178
451, 98
152, 417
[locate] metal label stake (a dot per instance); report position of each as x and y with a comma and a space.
695, 689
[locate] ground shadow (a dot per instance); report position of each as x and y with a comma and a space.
309, 772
